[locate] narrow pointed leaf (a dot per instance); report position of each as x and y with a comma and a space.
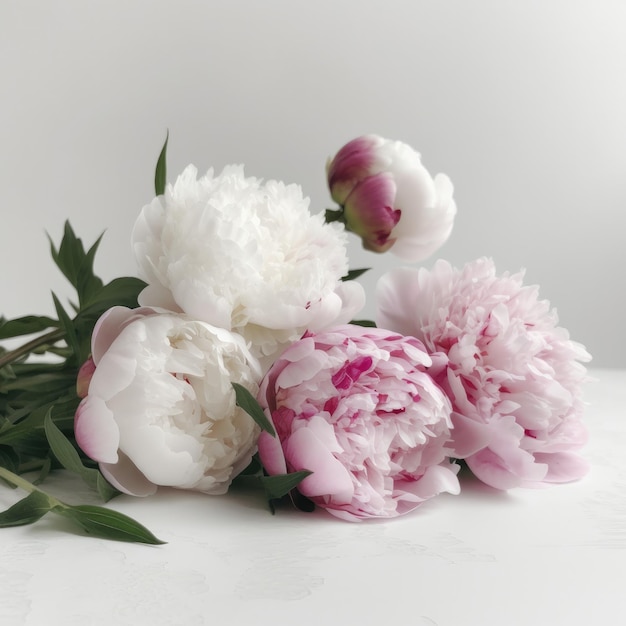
105, 489
250, 405
9, 459
69, 458
366, 323
352, 274
160, 174
61, 446
66, 323
26, 325
108, 524
28, 510
281, 484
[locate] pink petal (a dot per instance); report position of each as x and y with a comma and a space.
506, 470
271, 454
563, 467
304, 450
436, 479
468, 436
96, 431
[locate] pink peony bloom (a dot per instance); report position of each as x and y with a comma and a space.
512, 374
389, 199
357, 408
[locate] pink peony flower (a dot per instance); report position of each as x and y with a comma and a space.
389, 199
513, 375
357, 408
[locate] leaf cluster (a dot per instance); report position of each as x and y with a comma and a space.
38, 397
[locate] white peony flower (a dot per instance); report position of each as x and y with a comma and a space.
246, 256
160, 408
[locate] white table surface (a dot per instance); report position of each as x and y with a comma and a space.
528, 557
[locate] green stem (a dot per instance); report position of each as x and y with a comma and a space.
16, 480
49, 338
24, 484
31, 466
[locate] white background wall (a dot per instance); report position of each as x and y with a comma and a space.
521, 103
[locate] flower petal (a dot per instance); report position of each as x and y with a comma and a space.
96, 431
125, 477
305, 451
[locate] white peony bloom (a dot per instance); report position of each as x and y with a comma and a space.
160, 407
246, 256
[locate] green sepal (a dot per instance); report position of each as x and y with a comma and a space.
365, 323
281, 484
334, 215
250, 405
107, 524
352, 274
160, 174
27, 510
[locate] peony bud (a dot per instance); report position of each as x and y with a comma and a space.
389, 199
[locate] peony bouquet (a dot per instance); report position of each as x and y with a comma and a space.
238, 352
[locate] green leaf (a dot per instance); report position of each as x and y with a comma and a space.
41, 383
250, 405
61, 446
119, 292
76, 265
366, 323
160, 174
9, 459
108, 524
253, 468
104, 488
352, 274
69, 458
66, 323
280, 485
26, 326
44, 471
88, 282
28, 510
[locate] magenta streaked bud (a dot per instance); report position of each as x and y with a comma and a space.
389, 199
369, 212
